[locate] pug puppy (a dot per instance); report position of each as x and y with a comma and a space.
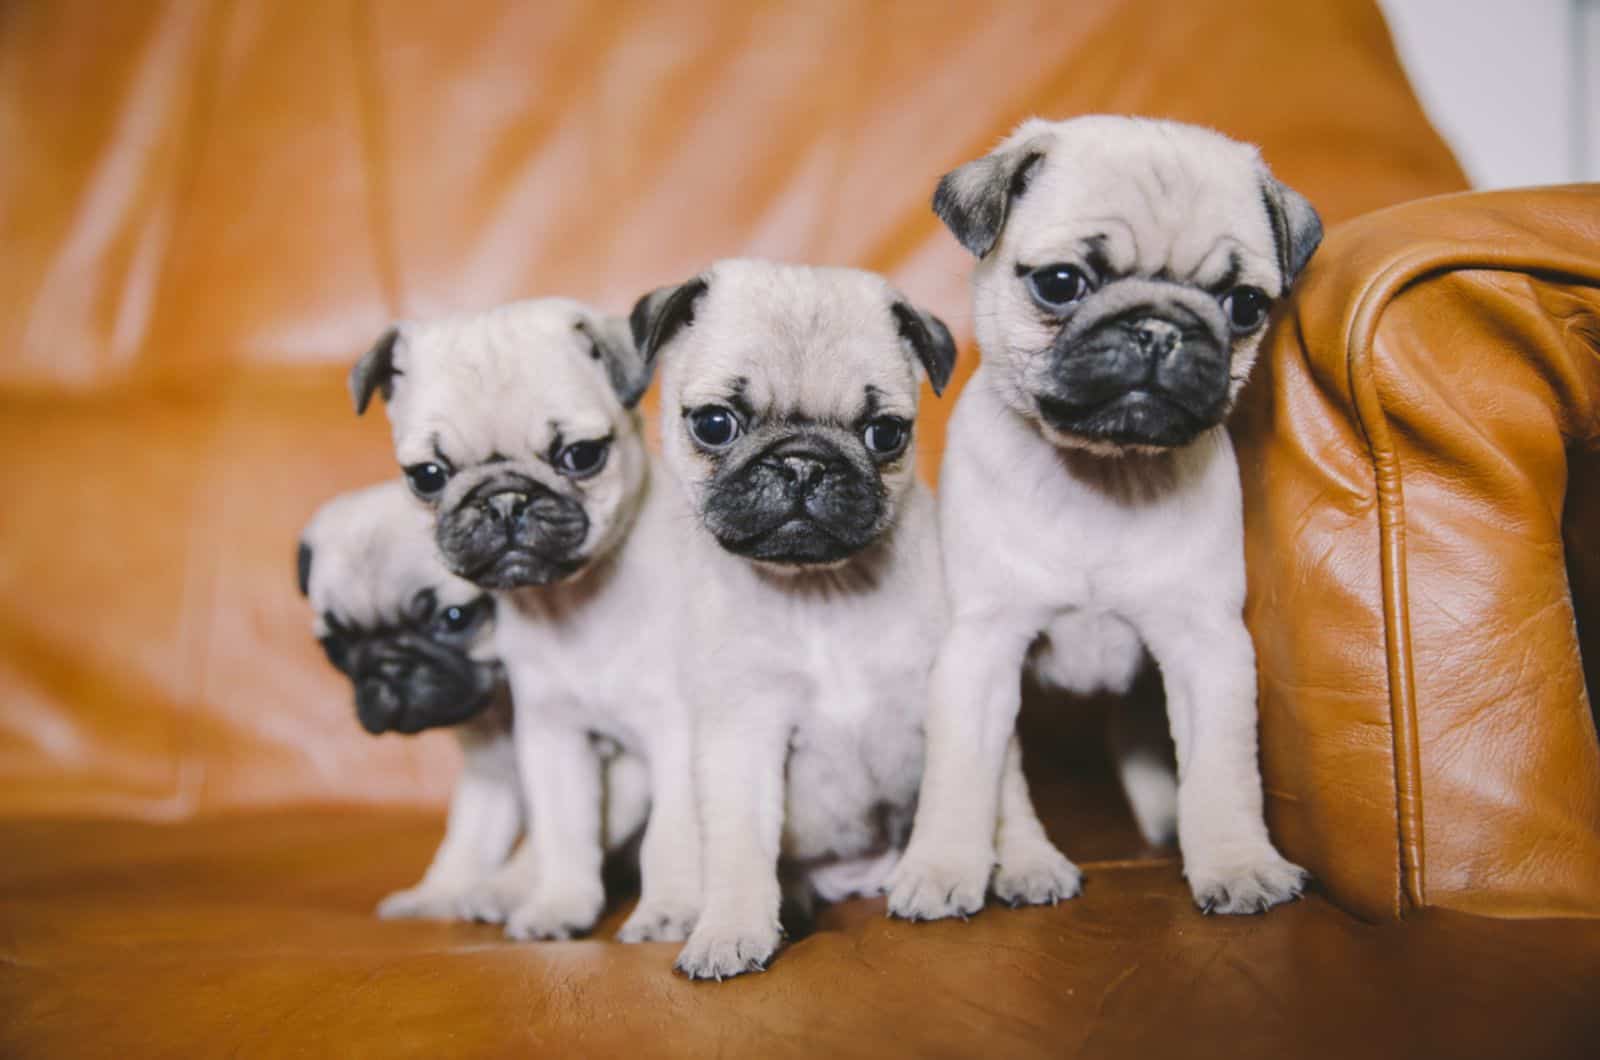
415, 642
1090, 497
516, 428
813, 597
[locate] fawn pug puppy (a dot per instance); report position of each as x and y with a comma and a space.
813, 594
516, 427
1090, 498
415, 642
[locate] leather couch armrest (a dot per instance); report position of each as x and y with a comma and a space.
1421, 465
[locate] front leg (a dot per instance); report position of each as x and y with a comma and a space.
669, 858
627, 801
1029, 869
494, 898
739, 778
485, 817
976, 691
1208, 667
561, 774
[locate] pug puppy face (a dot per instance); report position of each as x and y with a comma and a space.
789, 395
413, 639
1127, 270
515, 427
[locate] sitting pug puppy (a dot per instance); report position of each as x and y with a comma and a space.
813, 593
516, 428
414, 640
1090, 497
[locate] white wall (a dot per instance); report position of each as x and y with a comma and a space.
1514, 85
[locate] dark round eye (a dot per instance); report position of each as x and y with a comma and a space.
582, 459
427, 480
886, 435
460, 617
1246, 308
1057, 286
714, 426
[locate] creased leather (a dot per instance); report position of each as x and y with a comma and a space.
209, 207
1456, 348
252, 934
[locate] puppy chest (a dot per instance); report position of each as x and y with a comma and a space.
851, 775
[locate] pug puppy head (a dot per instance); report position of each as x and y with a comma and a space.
788, 401
412, 638
1127, 268
516, 428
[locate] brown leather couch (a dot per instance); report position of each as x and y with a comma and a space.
208, 209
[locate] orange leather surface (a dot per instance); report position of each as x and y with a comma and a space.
1427, 735
252, 934
212, 208
208, 209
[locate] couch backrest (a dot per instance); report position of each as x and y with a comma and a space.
208, 209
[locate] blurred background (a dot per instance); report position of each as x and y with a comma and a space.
1514, 85
209, 208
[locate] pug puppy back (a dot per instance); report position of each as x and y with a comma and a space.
813, 594
1090, 497
516, 429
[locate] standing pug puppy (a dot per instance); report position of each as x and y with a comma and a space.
1090, 496
516, 427
814, 600
415, 642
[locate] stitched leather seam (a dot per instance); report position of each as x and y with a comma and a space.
1424, 262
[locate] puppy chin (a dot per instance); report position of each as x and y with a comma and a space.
793, 548
518, 569
1140, 424
381, 708
799, 570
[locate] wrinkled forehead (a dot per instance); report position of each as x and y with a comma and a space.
377, 581
1179, 201
498, 384
820, 344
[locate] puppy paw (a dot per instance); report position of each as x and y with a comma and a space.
492, 901
923, 888
659, 921
1035, 874
1247, 885
419, 903
550, 915
721, 950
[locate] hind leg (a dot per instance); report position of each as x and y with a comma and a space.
1141, 746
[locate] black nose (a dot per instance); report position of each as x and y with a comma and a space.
505, 507
1156, 337
802, 466
803, 472
391, 669
378, 705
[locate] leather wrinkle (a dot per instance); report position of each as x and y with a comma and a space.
1364, 323
216, 204
375, 153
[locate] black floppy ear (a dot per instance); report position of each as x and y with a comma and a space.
1295, 226
973, 200
302, 564
375, 371
612, 345
662, 313
930, 340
